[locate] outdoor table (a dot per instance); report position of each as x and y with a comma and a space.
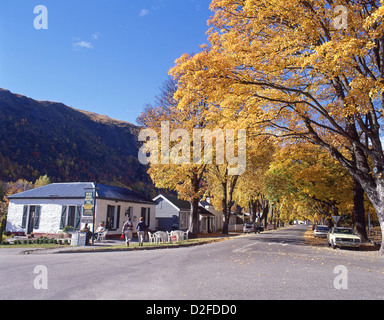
161, 236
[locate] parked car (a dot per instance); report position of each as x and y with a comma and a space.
320, 231
249, 227
259, 228
343, 237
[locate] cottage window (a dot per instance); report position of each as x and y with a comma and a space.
129, 212
113, 217
31, 218
183, 220
70, 216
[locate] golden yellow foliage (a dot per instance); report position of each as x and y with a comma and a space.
298, 69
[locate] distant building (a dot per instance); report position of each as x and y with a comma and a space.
218, 223
173, 213
51, 208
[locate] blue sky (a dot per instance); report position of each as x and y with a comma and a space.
108, 57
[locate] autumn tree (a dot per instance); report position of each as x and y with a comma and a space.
250, 192
7, 189
304, 179
180, 175
42, 181
302, 70
222, 185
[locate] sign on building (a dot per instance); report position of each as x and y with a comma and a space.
88, 205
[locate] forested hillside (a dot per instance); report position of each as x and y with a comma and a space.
41, 137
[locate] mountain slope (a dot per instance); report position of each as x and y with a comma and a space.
41, 137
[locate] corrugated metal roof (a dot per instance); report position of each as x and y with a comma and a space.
56, 190
123, 194
77, 190
182, 204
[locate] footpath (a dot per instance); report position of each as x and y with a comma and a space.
119, 245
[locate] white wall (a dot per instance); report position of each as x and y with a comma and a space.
49, 216
101, 213
51, 213
218, 217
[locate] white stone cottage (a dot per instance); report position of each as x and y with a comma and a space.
49, 209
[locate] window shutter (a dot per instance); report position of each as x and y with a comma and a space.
118, 217
149, 216
36, 223
25, 214
78, 217
63, 216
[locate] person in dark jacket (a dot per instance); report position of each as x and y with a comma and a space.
141, 228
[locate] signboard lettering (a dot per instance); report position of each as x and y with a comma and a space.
88, 204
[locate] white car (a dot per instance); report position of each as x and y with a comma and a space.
343, 237
320, 231
249, 227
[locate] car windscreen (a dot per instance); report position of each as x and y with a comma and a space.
322, 229
343, 231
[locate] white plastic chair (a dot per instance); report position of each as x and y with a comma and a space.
169, 236
161, 236
151, 237
102, 235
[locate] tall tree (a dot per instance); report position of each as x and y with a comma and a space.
291, 66
223, 185
42, 181
172, 167
304, 179
251, 185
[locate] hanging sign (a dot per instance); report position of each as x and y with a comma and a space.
88, 204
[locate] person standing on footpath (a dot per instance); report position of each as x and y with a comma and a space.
127, 231
141, 228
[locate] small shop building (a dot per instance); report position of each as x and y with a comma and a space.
50, 209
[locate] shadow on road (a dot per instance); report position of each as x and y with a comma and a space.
280, 240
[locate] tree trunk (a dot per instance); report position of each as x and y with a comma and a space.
226, 224
226, 212
253, 209
380, 214
264, 216
377, 199
382, 233
359, 211
194, 218
227, 195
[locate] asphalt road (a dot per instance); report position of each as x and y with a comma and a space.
270, 265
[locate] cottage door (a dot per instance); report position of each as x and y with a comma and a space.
31, 218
